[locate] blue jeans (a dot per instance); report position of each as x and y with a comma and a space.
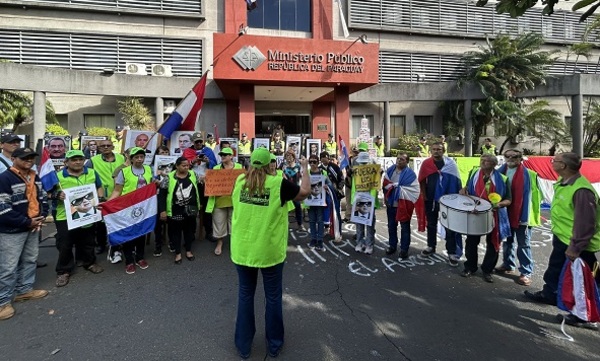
298, 212
18, 256
361, 229
315, 217
245, 326
393, 230
523, 236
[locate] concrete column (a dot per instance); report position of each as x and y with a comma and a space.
342, 112
247, 110
159, 108
39, 116
577, 124
468, 129
386, 124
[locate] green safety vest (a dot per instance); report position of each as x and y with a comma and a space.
88, 177
171, 189
259, 225
210, 204
117, 145
330, 148
380, 150
244, 149
491, 150
562, 212
535, 217
106, 169
75, 143
424, 149
131, 180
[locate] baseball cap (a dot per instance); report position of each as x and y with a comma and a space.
10, 138
226, 151
196, 136
260, 157
209, 135
74, 153
378, 137
330, 135
23, 153
118, 128
273, 158
363, 147
136, 151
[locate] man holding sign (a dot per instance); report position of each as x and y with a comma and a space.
74, 174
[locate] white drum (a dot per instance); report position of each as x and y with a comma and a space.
468, 215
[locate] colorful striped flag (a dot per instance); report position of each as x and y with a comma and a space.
345, 161
47, 173
131, 215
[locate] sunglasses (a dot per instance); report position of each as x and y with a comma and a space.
313, 162
78, 201
105, 145
512, 156
362, 204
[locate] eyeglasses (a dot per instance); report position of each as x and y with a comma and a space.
313, 162
362, 204
512, 156
105, 145
78, 201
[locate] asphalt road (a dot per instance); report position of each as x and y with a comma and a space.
338, 305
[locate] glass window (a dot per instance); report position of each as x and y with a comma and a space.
63, 120
99, 120
423, 123
293, 15
397, 126
357, 123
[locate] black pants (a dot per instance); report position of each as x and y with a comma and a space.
432, 210
84, 242
101, 239
489, 259
187, 228
206, 217
136, 245
555, 264
160, 233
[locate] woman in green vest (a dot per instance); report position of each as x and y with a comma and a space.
259, 237
182, 205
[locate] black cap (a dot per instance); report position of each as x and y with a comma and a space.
10, 138
378, 137
118, 128
23, 153
330, 135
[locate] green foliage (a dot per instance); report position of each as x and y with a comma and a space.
528, 151
408, 142
135, 114
56, 129
455, 155
411, 153
99, 131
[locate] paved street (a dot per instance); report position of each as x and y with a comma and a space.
338, 305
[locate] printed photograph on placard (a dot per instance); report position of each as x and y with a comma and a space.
142, 139
231, 143
89, 145
313, 147
179, 141
57, 146
317, 190
261, 142
163, 165
363, 208
80, 206
294, 144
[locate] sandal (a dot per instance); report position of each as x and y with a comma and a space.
62, 280
94, 268
219, 248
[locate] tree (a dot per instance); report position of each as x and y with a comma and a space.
135, 113
517, 8
591, 130
502, 68
16, 109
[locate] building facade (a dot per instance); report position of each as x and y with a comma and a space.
288, 63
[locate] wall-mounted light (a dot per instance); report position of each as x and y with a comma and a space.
242, 30
363, 39
107, 71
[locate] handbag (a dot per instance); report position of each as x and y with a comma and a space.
191, 210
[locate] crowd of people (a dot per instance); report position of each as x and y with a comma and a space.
267, 192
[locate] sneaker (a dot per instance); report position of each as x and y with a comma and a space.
359, 248
524, 280
390, 250
320, 248
116, 258
466, 274
453, 260
157, 253
6, 311
403, 254
573, 320
312, 244
301, 228
488, 278
368, 250
539, 297
171, 249
62, 280
428, 251
142, 264
503, 270
130, 269
31, 295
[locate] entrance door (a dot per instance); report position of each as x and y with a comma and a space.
291, 124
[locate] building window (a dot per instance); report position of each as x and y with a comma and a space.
397, 126
293, 15
423, 123
99, 120
357, 123
63, 120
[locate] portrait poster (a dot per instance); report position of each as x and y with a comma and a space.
363, 208
261, 142
163, 165
179, 141
89, 150
142, 139
294, 143
80, 206
317, 190
366, 177
233, 144
313, 147
280, 160
57, 146
220, 182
